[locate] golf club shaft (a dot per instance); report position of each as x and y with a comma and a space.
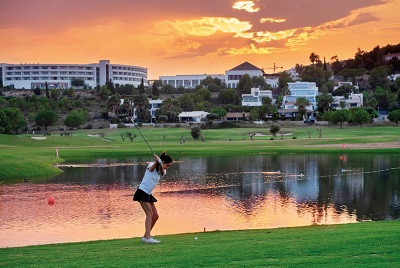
143, 137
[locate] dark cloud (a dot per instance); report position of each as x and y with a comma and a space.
363, 18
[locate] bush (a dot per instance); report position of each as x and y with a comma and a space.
89, 126
195, 132
274, 129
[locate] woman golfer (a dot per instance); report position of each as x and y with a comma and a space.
143, 195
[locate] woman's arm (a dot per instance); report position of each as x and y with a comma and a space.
159, 163
153, 167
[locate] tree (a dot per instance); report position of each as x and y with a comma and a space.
255, 113
110, 86
336, 65
327, 116
203, 94
245, 84
155, 88
46, 86
344, 91
227, 96
267, 107
360, 117
70, 93
55, 94
274, 129
394, 116
74, 119
11, 120
352, 73
46, 118
258, 81
221, 112
314, 74
379, 77
113, 103
141, 103
324, 101
187, 102
284, 79
313, 58
141, 87
340, 117
104, 92
302, 103
170, 108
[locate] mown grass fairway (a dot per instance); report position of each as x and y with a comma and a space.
371, 244
22, 157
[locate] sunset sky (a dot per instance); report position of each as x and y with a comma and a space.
191, 36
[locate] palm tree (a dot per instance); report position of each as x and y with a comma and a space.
314, 58
302, 103
141, 103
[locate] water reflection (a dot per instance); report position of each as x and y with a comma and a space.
94, 200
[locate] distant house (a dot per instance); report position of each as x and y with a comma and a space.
192, 117
290, 110
391, 56
308, 90
255, 97
354, 101
154, 105
237, 116
350, 84
233, 75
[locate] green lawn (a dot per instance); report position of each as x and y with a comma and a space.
22, 157
369, 244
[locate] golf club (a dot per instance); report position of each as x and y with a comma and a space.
133, 121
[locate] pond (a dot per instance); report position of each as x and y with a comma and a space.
93, 201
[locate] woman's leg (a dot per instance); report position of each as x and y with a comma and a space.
155, 215
148, 224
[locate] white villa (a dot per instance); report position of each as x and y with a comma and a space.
308, 90
290, 110
255, 97
350, 84
354, 101
59, 76
192, 117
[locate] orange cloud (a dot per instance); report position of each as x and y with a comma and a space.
246, 6
262, 20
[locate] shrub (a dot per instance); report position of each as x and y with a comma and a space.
195, 132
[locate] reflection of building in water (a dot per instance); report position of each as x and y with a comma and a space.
348, 187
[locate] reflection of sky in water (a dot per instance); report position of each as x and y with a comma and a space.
94, 201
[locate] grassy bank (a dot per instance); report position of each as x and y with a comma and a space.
22, 157
371, 244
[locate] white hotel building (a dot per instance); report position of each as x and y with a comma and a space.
231, 77
31, 76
